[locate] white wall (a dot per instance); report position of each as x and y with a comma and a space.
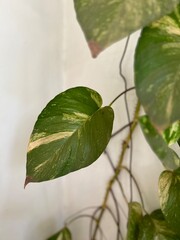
30, 75
42, 52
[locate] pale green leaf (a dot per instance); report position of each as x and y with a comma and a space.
134, 219
157, 70
169, 192
71, 133
105, 22
63, 234
155, 227
172, 134
167, 156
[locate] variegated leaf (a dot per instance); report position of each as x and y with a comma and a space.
71, 133
155, 227
167, 156
135, 216
169, 192
157, 70
105, 22
172, 134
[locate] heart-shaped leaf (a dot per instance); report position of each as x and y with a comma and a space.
71, 133
134, 219
169, 192
167, 156
154, 227
157, 70
63, 234
105, 22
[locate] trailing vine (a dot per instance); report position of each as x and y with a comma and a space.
74, 129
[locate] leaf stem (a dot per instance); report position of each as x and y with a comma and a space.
118, 181
121, 94
121, 129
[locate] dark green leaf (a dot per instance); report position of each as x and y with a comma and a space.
147, 229
158, 215
154, 227
169, 191
134, 218
64, 234
105, 22
167, 156
178, 142
172, 134
70, 133
157, 70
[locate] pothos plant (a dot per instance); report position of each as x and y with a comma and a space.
74, 128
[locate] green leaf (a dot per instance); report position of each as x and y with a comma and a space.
64, 234
178, 142
134, 218
71, 133
105, 22
154, 227
157, 70
172, 134
167, 156
158, 215
169, 192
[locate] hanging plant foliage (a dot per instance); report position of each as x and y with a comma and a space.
157, 70
71, 133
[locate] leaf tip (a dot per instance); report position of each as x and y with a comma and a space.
27, 181
95, 48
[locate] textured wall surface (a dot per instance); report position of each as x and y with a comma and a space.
42, 52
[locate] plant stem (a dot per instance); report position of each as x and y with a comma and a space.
118, 168
121, 129
121, 94
118, 181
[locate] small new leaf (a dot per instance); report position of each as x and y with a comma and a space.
71, 133
169, 193
172, 134
63, 234
167, 156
